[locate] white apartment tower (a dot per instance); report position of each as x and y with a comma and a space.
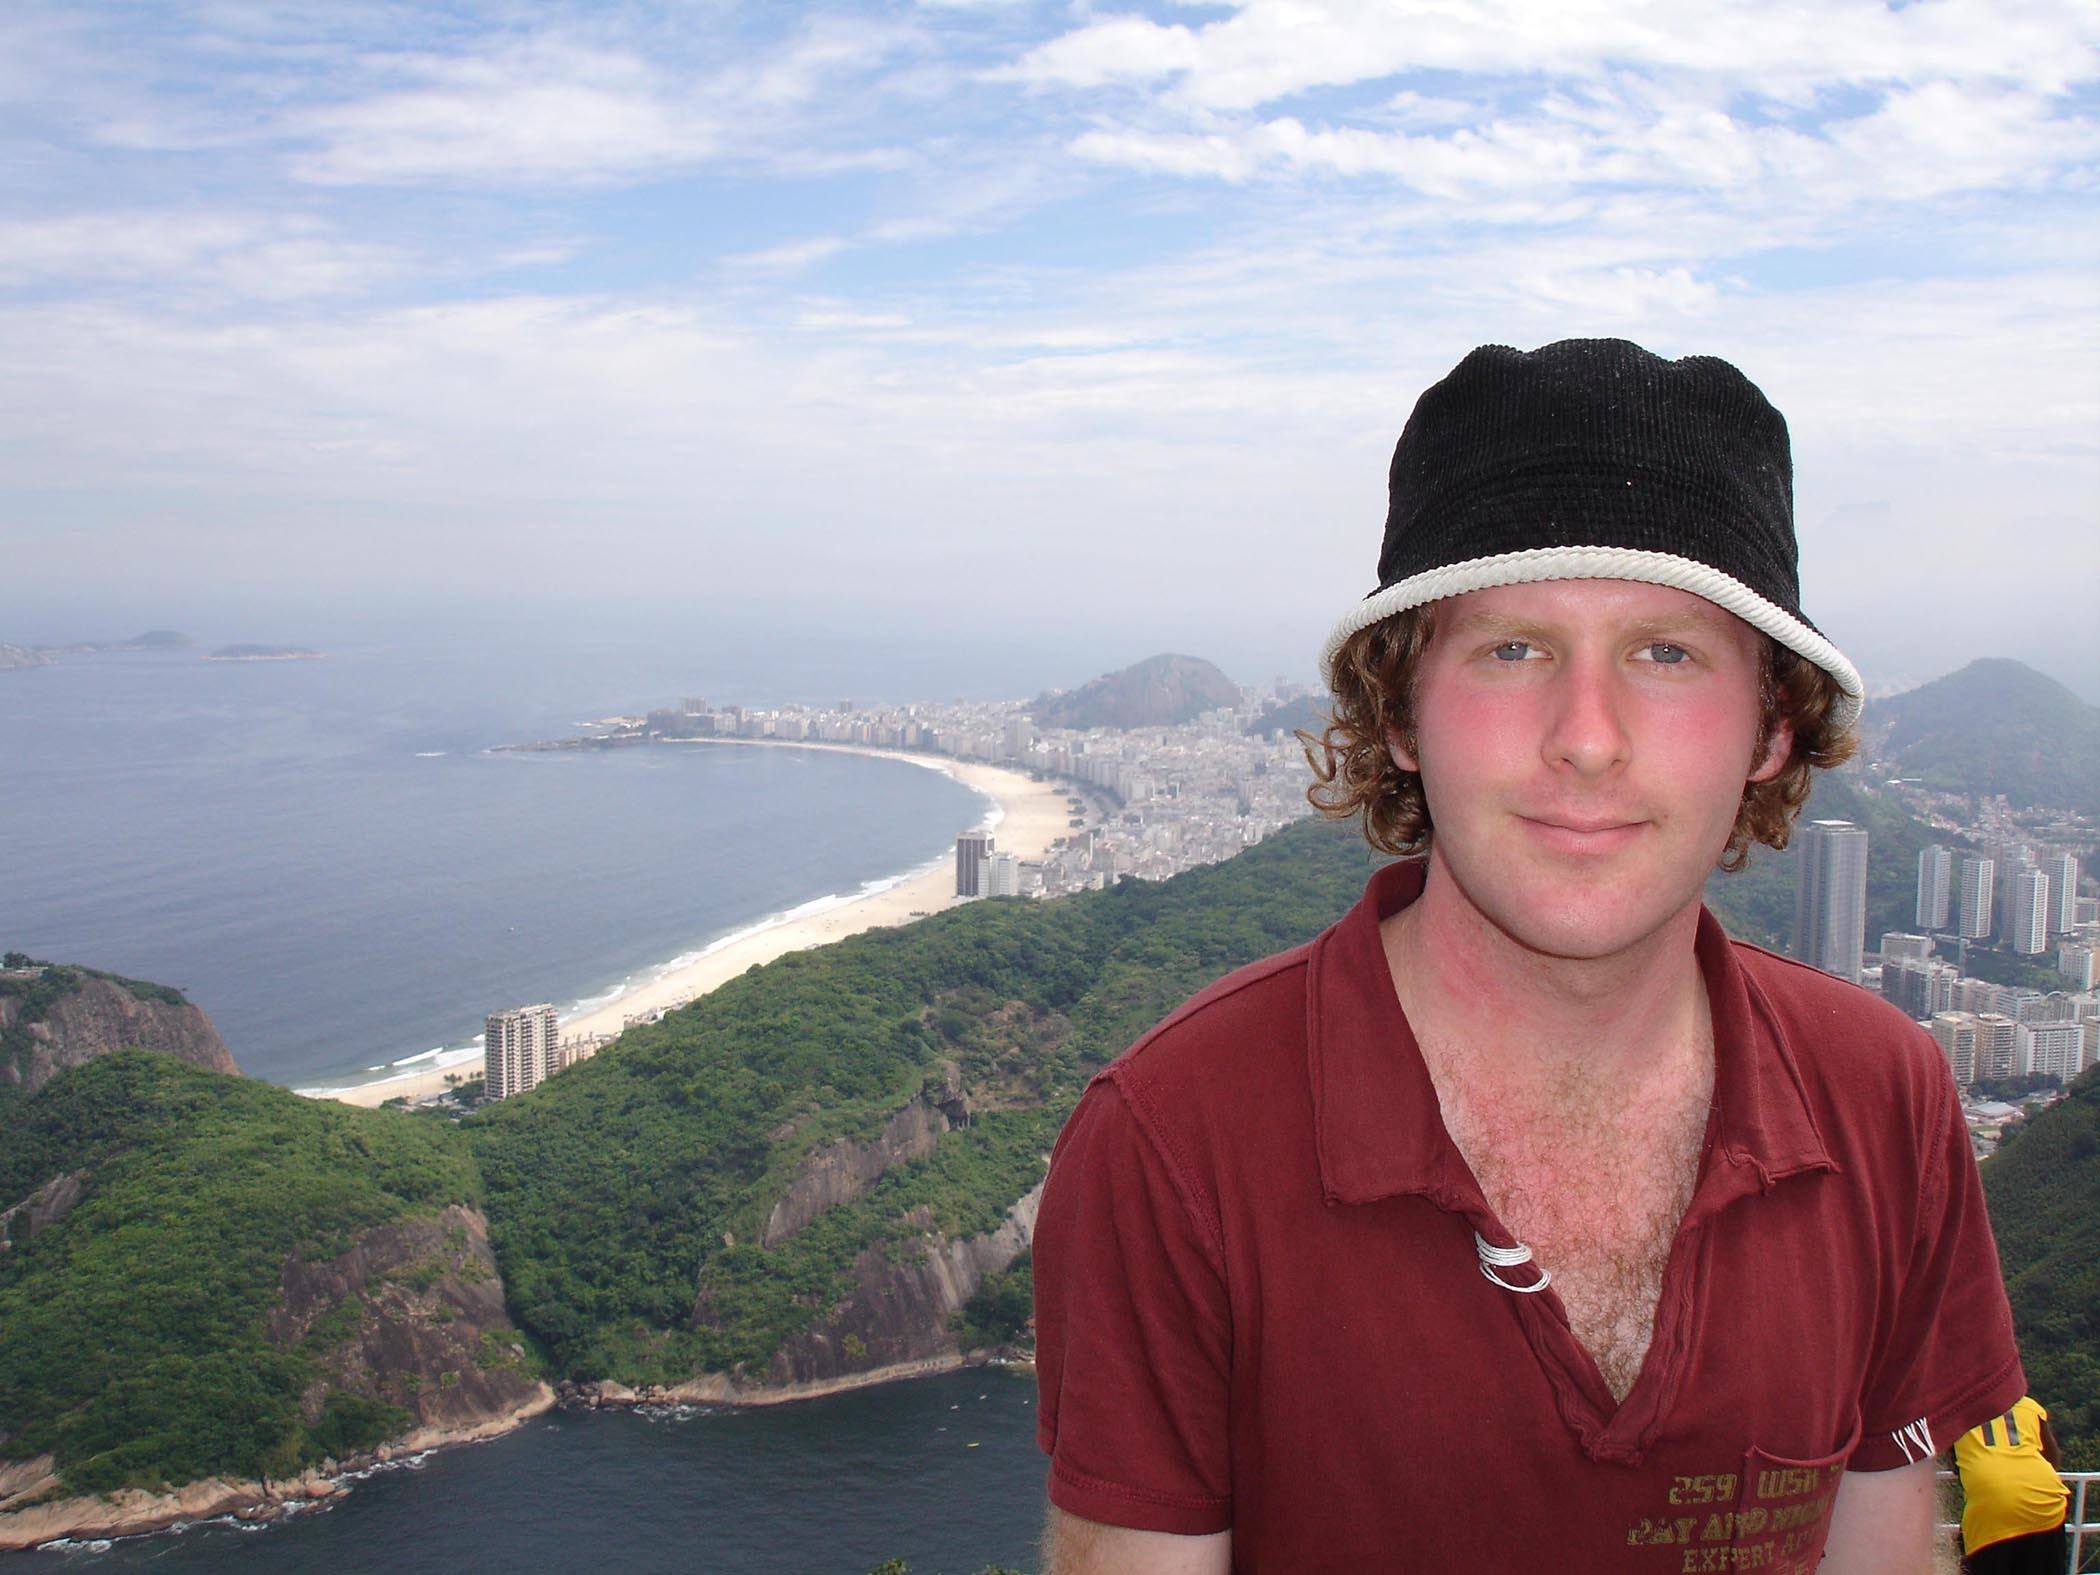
1830, 904
2054, 1048
1977, 875
1957, 1035
1002, 875
519, 1048
2062, 870
1997, 1044
2012, 858
1935, 887
2030, 912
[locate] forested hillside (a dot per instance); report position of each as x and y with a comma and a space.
2044, 1191
630, 1198
202, 1275
152, 1208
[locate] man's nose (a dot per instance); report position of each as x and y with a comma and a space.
1587, 726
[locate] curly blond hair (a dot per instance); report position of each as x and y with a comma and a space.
1374, 689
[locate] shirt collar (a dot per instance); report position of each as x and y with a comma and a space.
1380, 1132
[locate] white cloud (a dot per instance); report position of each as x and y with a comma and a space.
242, 255
547, 110
1269, 49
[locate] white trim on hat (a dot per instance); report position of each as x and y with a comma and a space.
1535, 564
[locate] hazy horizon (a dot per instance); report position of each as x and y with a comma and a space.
1037, 322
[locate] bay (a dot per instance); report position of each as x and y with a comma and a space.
942, 1472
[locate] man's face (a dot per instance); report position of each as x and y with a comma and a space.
1583, 745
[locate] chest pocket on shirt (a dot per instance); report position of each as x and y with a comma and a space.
1780, 1518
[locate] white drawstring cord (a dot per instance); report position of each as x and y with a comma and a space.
1493, 1258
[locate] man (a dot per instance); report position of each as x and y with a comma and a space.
2012, 1518
1522, 1221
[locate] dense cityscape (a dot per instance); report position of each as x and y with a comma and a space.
2004, 888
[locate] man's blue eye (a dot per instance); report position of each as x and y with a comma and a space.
1512, 650
1669, 654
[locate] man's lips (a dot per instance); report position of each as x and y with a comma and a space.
1582, 833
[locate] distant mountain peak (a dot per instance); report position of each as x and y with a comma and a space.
1995, 726
1161, 691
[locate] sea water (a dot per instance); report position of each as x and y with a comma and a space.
327, 858
941, 1472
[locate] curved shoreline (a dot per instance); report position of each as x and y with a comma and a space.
134, 1512
1027, 817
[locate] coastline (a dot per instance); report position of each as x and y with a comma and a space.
1026, 818
721, 1389
133, 1512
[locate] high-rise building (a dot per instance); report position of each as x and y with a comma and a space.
973, 849
1976, 995
2012, 858
2079, 964
1918, 989
1830, 904
1957, 1036
518, 1049
1935, 887
1977, 877
1900, 943
2029, 933
1002, 875
1997, 1043
2048, 1047
2062, 870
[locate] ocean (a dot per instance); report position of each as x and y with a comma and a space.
940, 1472
326, 858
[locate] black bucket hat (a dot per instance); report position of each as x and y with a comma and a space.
1592, 459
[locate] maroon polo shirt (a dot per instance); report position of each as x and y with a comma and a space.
1259, 1305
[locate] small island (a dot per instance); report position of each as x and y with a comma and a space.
263, 653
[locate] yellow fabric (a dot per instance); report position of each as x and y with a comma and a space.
2011, 1490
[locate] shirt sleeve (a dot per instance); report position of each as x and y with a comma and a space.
1133, 1331
1948, 1360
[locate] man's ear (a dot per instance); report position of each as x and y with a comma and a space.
1401, 748
1778, 749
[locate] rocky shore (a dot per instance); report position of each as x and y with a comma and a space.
134, 1512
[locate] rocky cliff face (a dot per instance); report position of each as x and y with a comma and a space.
902, 1298
840, 1172
412, 1315
42, 1209
93, 1017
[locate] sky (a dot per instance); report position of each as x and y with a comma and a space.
1082, 319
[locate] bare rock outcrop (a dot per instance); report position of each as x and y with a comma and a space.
42, 1209
97, 1016
412, 1315
893, 1323
839, 1172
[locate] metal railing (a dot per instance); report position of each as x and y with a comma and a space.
2076, 1522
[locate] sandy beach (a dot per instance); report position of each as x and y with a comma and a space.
1032, 816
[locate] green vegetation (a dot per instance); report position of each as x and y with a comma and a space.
2010, 968
628, 1197
35, 993
998, 1314
132, 1335
2044, 1192
1757, 903
1996, 726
